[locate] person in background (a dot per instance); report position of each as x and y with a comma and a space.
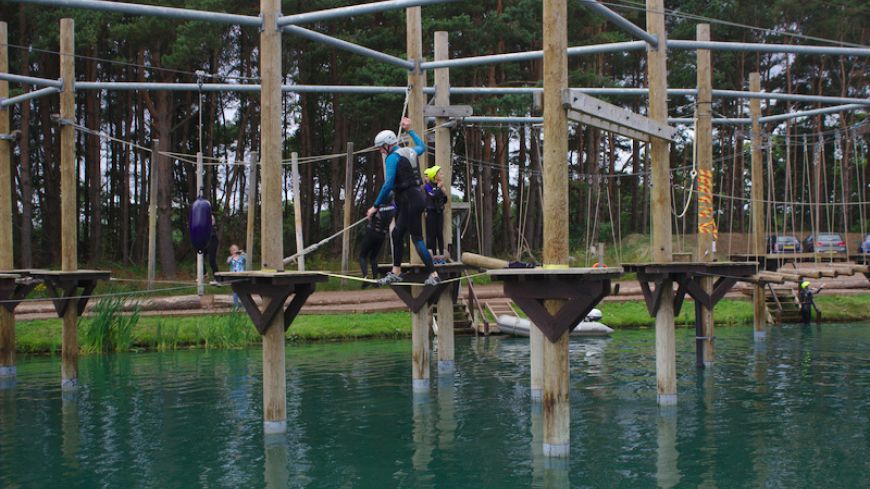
373, 239
436, 197
211, 251
238, 263
805, 296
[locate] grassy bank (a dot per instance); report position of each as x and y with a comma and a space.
234, 330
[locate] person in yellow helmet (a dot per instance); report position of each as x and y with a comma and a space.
805, 296
436, 197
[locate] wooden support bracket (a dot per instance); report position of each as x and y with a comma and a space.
15, 291
579, 299
66, 288
597, 113
277, 295
448, 111
416, 273
653, 296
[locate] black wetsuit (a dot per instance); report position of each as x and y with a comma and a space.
435, 200
807, 305
211, 251
375, 233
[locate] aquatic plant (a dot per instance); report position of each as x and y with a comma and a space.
109, 329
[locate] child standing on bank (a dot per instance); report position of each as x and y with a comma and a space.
237, 263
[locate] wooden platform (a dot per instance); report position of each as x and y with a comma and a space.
67, 288
581, 289
772, 261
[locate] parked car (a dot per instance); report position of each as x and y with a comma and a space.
783, 244
864, 244
825, 243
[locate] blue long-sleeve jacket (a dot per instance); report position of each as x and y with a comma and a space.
392, 164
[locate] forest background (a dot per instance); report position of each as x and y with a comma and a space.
497, 168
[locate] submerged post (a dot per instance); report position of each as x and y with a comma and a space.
348, 191
556, 396
706, 222
252, 209
666, 363
421, 319
69, 207
152, 215
272, 248
7, 318
757, 208
443, 157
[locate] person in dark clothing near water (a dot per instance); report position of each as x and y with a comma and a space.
805, 296
436, 197
375, 233
211, 251
402, 177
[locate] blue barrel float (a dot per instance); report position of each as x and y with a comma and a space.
200, 224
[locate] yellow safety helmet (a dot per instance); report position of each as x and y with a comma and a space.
805, 284
432, 171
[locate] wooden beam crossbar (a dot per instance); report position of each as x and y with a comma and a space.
687, 283
428, 295
65, 290
277, 295
448, 111
597, 113
530, 295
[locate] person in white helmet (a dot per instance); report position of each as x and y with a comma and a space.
402, 177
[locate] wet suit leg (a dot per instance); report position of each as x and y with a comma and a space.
411, 205
435, 231
370, 249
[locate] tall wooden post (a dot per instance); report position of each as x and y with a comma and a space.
7, 319
757, 204
69, 207
666, 363
252, 209
297, 211
555, 354
200, 259
704, 151
272, 247
421, 320
152, 215
348, 199
443, 151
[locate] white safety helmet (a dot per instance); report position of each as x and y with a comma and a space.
386, 137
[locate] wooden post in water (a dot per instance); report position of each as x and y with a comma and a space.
443, 157
297, 211
69, 207
420, 321
704, 151
666, 363
152, 215
272, 247
348, 199
252, 210
757, 205
556, 398
7, 318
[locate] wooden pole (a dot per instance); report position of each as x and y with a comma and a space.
757, 205
297, 211
556, 398
200, 258
666, 362
69, 207
252, 209
272, 246
443, 152
7, 319
420, 321
704, 150
348, 199
152, 215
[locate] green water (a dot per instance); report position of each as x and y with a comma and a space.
791, 412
